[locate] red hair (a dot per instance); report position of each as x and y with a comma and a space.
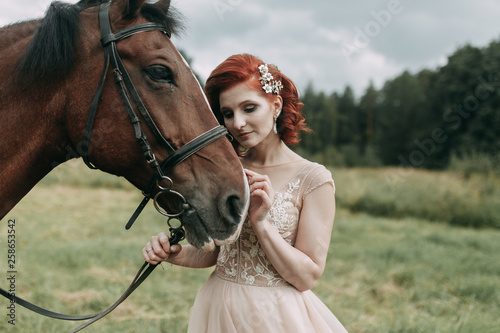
245, 68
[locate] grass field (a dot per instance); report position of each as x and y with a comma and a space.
401, 273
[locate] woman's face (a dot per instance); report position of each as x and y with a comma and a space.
248, 115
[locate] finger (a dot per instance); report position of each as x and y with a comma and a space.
164, 241
250, 172
160, 245
253, 176
265, 198
258, 178
262, 185
147, 256
175, 248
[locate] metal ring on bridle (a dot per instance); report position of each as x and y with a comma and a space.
174, 227
164, 188
185, 205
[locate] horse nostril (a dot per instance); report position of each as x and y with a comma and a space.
234, 209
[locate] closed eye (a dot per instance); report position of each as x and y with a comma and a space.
250, 108
160, 74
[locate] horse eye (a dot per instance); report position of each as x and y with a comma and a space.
160, 74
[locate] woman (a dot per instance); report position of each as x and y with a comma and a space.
262, 282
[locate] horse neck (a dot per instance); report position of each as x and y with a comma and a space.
32, 130
31, 146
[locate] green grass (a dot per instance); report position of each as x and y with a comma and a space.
434, 195
383, 274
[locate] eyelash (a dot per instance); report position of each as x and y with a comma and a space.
248, 109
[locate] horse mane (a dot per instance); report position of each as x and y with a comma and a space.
51, 53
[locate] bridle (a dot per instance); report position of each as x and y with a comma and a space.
130, 97
129, 94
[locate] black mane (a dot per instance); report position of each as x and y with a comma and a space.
51, 53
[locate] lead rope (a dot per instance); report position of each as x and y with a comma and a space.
176, 235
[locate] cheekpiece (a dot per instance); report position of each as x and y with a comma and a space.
266, 79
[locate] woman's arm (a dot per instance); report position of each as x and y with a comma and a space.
158, 249
303, 264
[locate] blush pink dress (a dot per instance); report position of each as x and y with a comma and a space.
245, 293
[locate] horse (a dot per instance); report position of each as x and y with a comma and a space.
59, 101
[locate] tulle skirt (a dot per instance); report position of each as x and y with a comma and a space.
226, 307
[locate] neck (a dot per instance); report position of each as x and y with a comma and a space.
30, 148
34, 133
270, 153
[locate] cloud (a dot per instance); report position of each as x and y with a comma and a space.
304, 38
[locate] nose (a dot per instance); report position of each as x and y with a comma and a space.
238, 121
232, 209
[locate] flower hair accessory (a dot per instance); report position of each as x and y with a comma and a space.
266, 79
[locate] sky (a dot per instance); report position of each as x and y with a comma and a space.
327, 43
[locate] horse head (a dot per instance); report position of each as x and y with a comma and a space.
211, 180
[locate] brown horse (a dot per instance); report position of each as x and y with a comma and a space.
49, 72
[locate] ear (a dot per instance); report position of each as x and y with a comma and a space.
133, 7
124, 9
278, 106
164, 4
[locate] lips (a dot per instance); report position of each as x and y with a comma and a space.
244, 135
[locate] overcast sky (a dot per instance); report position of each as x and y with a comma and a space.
328, 43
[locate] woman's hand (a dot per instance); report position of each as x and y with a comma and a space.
261, 197
158, 249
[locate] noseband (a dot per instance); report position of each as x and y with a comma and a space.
130, 97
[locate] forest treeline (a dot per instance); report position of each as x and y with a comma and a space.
424, 120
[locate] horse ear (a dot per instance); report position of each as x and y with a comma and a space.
163, 3
133, 8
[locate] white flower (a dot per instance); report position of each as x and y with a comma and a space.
263, 69
277, 86
267, 77
267, 88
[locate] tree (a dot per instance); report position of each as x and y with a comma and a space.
367, 107
465, 95
398, 123
347, 118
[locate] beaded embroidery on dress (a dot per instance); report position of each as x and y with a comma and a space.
244, 261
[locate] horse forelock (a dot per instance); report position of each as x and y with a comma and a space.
165, 15
51, 53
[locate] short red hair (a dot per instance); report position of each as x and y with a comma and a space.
245, 68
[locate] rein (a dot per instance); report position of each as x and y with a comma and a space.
129, 96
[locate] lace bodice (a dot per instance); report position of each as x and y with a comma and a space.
244, 261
